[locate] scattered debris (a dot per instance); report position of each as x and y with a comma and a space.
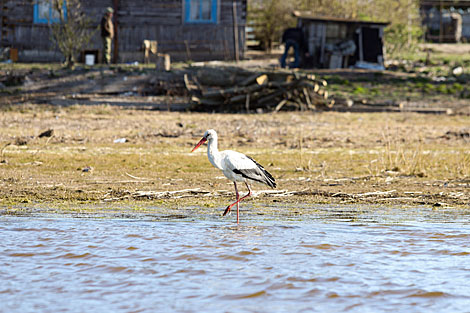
34, 163
20, 141
87, 169
375, 193
463, 134
47, 133
457, 71
176, 194
120, 140
135, 177
391, 195
169, 134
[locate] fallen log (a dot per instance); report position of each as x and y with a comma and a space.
230, 91
255, 78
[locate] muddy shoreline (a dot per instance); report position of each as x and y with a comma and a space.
110, 155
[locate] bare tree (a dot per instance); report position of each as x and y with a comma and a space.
270, 18
74, 30
405, 30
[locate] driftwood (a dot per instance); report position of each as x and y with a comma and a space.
376, 196
184, 193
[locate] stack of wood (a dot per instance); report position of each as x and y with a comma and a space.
235, 89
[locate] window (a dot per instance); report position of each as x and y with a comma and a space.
45, 13
200, 11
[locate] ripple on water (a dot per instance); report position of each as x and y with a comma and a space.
324, 246
22, 254
70, 255
209, 266
428, 294
249, 295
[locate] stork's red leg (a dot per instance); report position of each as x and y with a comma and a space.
227, 210
238, 201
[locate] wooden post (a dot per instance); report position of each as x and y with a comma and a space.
441, 22
361, 47
163, 62
3, 20
235, 31
116, 24
247, 103
188, 50
323, 42
226, 50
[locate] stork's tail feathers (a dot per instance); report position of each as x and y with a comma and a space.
270, 181
267, 178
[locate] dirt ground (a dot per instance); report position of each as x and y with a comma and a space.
113, 142
103, 154
408, 86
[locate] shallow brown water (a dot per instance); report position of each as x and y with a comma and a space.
330, 260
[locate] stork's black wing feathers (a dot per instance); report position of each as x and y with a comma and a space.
258, 174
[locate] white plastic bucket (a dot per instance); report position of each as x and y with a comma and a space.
90, 59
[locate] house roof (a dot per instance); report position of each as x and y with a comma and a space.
328, 19
445, 3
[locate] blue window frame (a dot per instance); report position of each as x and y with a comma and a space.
200, 11
44, 12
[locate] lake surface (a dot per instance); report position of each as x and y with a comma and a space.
323, 260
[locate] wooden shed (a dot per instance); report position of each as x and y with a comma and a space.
340, 43
186, 29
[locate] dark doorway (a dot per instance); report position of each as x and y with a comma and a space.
371, 44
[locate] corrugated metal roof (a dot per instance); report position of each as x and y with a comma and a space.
309, 16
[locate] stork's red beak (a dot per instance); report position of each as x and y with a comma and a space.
199, 143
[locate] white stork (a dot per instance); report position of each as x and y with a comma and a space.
236, 166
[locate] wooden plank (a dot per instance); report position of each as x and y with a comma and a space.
150, 13
235, 32
371, 108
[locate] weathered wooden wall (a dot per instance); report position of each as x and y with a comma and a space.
163, 21
160, 20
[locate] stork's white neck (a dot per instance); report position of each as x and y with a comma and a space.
213, 153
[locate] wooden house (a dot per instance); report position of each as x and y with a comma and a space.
446, 20
185, 29
340, 43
